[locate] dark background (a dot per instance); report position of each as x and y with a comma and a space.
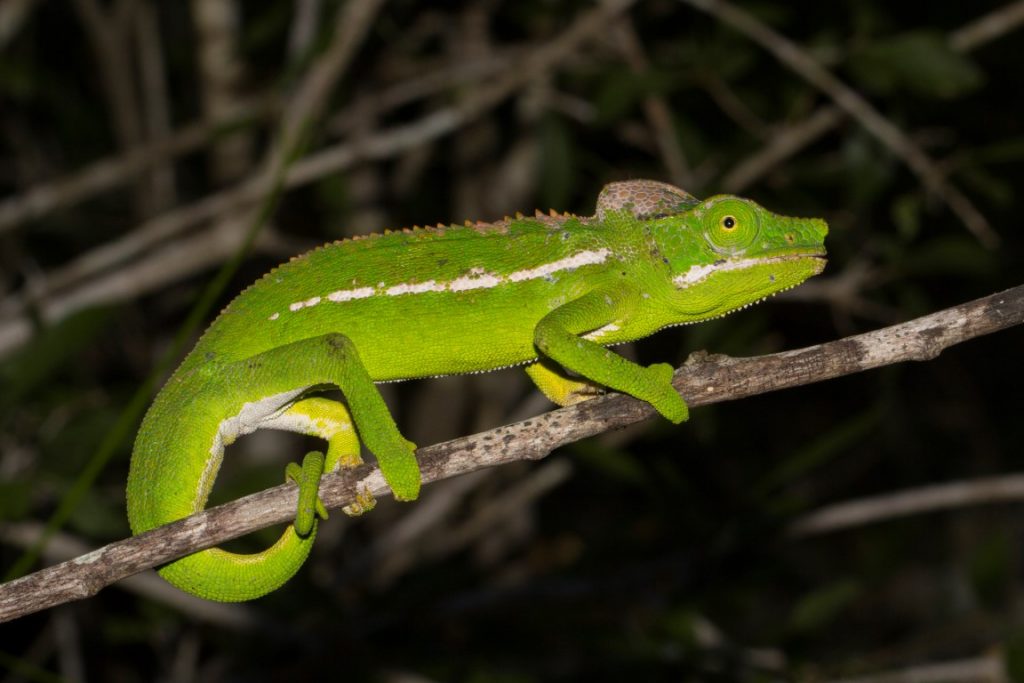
654, 553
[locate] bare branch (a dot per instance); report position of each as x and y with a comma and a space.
988, 668
64, 546
988, 27
13, 14
855, 513
850, 101
703, 380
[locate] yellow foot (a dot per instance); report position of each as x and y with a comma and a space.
363, 503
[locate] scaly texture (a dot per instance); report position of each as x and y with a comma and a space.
549, 290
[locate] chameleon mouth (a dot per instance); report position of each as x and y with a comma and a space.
819, 260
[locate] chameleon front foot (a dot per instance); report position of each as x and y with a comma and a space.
307, 476
667, 400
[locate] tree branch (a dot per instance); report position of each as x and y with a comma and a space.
703, 380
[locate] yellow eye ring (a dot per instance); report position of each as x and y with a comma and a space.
729, 223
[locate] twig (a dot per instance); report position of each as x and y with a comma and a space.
733, 106
155, 103
873, 509
309, 101
988, 668
987, 28
792, 139
704, 379
781, 146
303, 28
182, 258
110, 172
13, 14
220, 71
108, 32
656, 110
107, 173
847, 99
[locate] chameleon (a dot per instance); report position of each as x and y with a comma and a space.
549, 291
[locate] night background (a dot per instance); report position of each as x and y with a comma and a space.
135, 137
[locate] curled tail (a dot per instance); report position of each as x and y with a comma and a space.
175, 461
217, 574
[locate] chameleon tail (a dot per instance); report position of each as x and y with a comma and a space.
217, 574
167, 481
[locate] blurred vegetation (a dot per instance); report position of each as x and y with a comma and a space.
655, 553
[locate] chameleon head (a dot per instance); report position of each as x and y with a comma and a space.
729, 252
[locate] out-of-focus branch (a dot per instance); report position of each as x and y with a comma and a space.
110, 172
782, 145
13, 14
988, 668
792, 138
155, 102
988, 27
220, 70
16, 329
847, 99
854, 513
109, 33
656, 110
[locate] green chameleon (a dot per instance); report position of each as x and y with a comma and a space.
548, 291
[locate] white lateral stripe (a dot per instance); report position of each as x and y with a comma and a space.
583, 258
485, 281
697, 273
415, 288
478, 278
349, 294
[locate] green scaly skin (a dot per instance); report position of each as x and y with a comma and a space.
551, 291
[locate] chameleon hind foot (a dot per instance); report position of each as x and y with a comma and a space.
363, 503
307, 476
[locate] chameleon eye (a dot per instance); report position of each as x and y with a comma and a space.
730, 224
